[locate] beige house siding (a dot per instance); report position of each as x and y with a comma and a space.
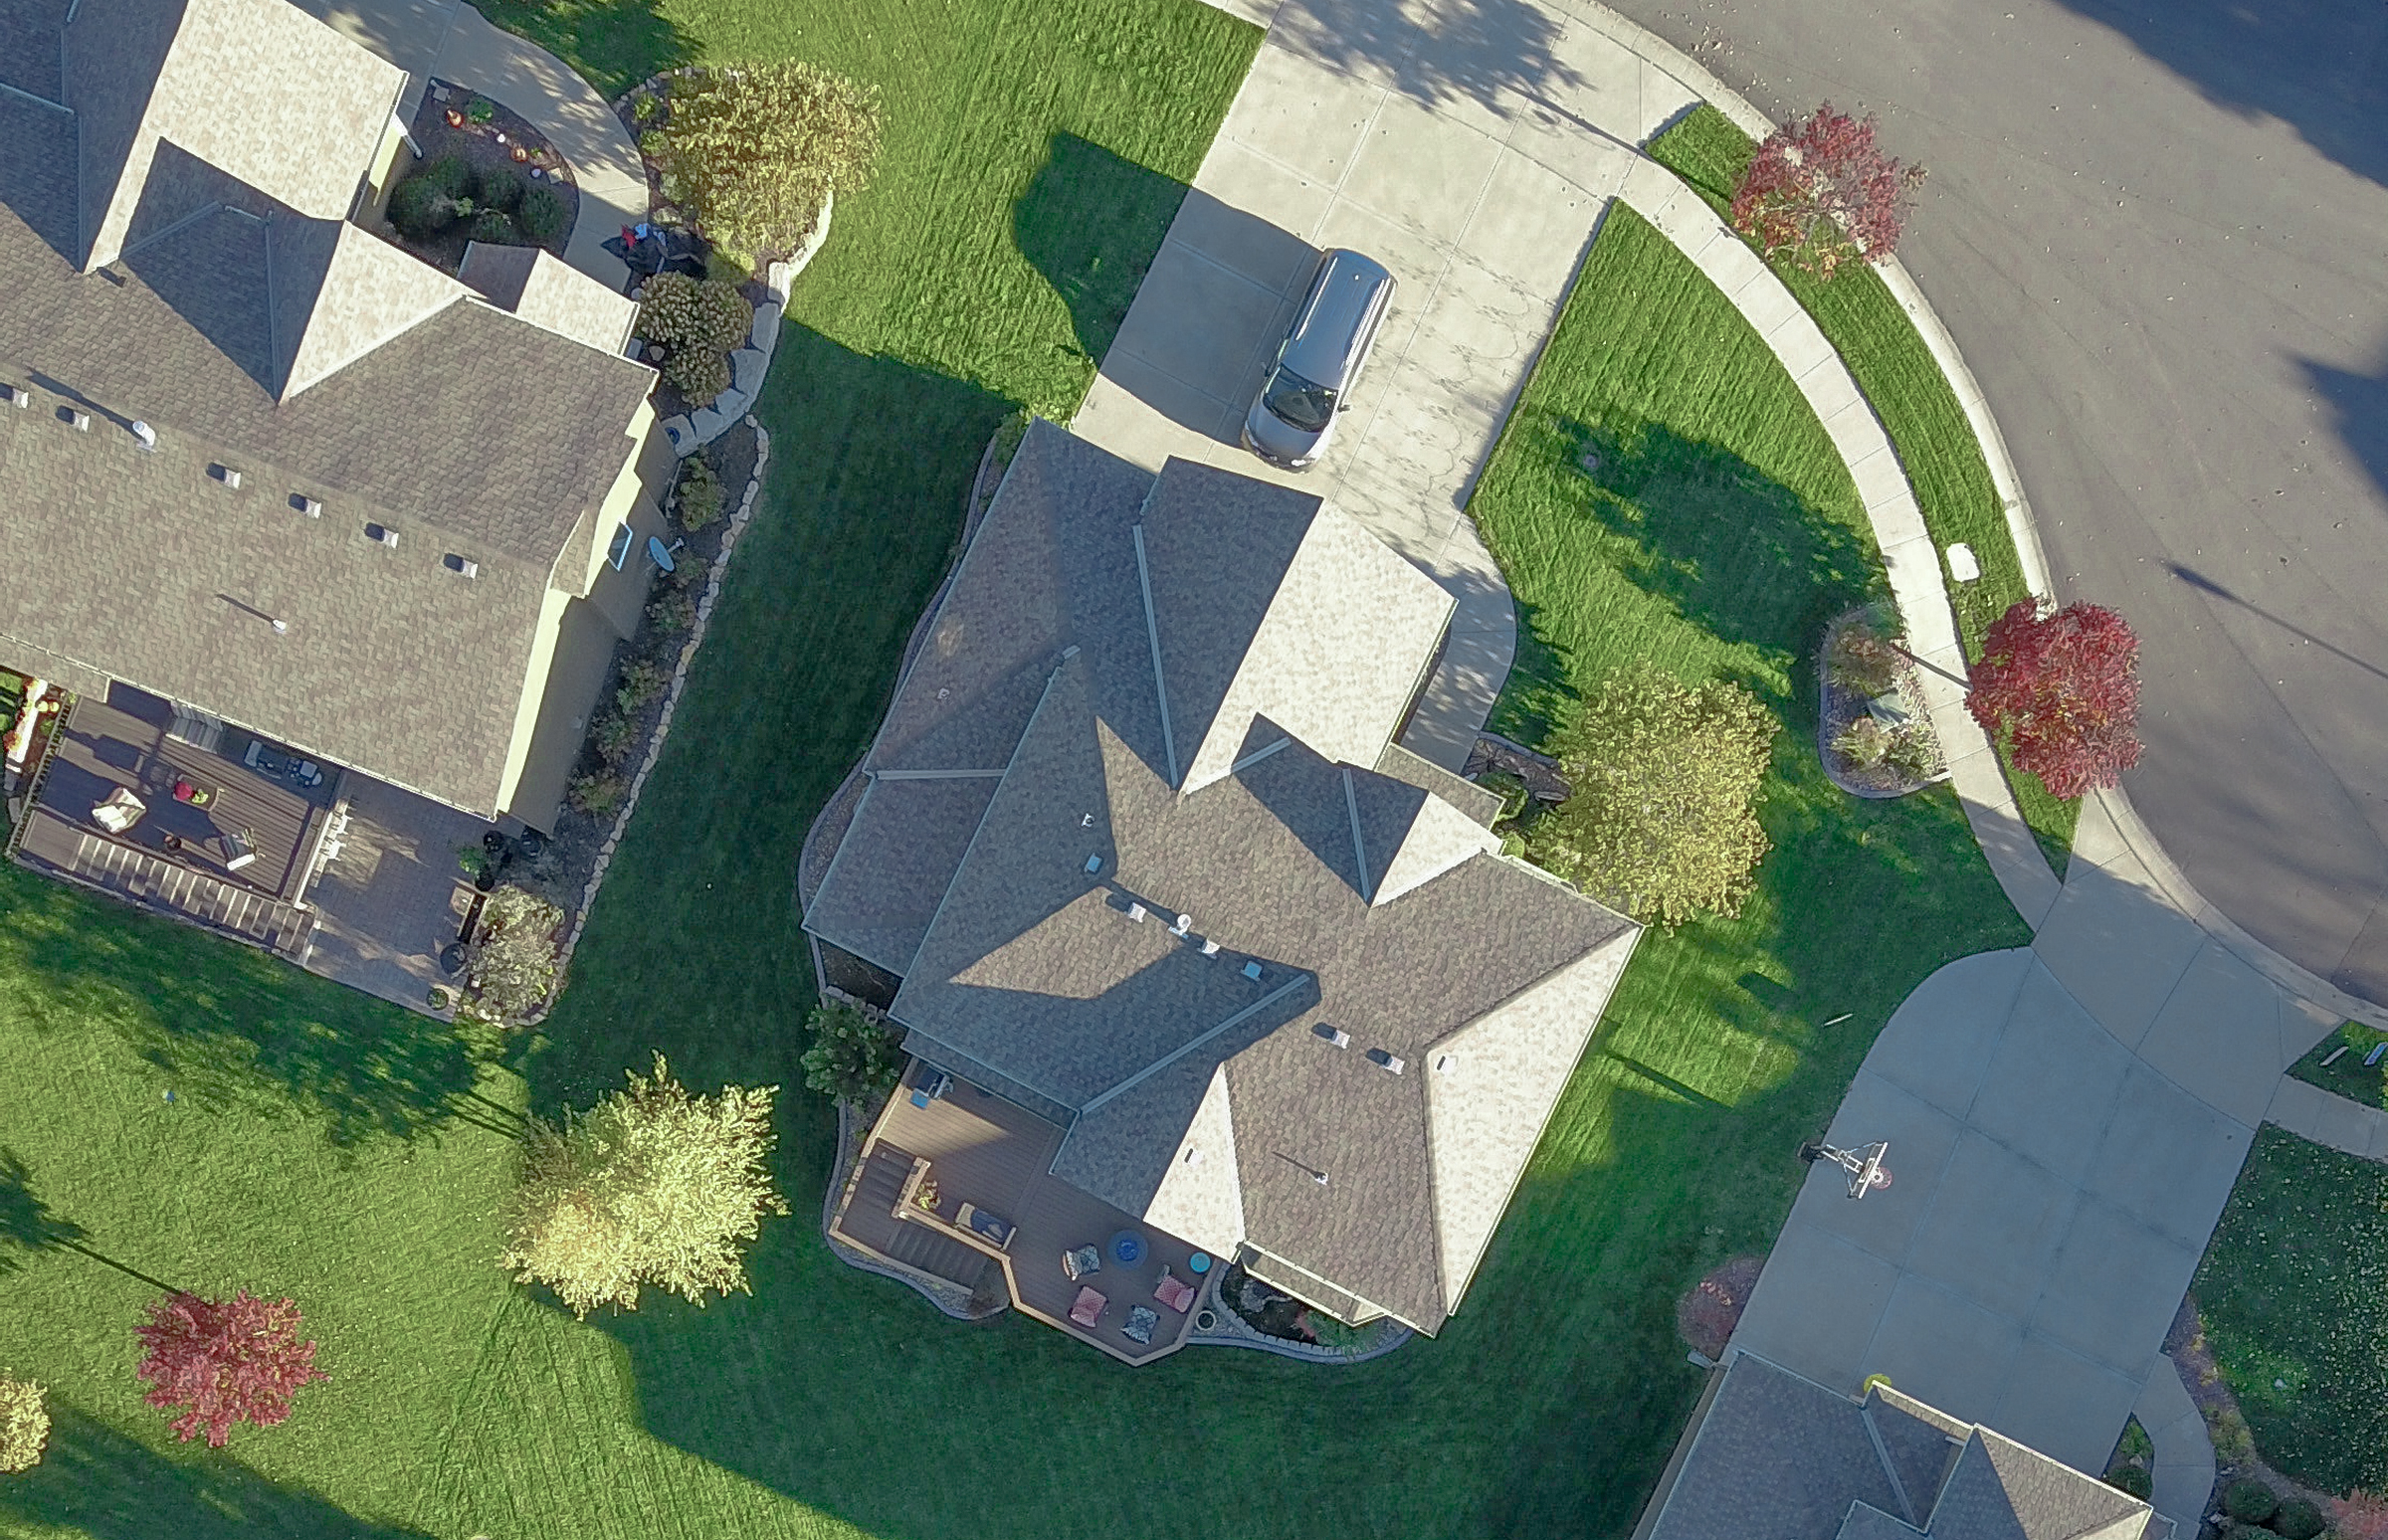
637, 498
583, 651
393, 162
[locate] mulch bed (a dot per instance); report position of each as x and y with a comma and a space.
1841, 706
480, 147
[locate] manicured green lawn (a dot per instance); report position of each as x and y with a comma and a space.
1894, 369
832, 1403
2293, 1290
2349, 1077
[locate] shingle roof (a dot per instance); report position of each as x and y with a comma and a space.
1151, 1039
1778, 1456
224, 139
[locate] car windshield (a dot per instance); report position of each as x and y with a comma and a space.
1306, 406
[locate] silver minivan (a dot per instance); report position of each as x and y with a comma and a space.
1319, 360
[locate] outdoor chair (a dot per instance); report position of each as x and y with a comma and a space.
1141, 1322
987, 1226
1175, 1292
120, 812
1081, 1261
1089, 1308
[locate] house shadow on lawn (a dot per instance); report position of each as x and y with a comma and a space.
229, 1025
1092, 222
94, 1482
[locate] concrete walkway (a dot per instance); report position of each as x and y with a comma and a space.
454, 42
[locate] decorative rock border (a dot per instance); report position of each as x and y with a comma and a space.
662, 728
1233, 1330
750, 364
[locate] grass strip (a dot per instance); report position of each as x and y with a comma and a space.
2348, 1076
1859, 315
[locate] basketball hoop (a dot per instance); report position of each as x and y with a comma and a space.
1867, 1173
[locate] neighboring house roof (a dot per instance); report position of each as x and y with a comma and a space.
1778, 1457
1091, 727
197, 273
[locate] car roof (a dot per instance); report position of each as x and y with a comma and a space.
1328, 333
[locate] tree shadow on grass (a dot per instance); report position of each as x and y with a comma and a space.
232, 1027
1092, 222
94, 1482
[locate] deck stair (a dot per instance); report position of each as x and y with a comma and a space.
260, 918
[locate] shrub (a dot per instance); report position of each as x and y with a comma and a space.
1661, 823
698, 374
641, 106
24, 1423
752, 151
651, 1186
641, 684
2249, 1503
1913, 752
419, 209
1863, 663
616, 734
681, 312
2298, 1519
2133, 1480
2359, 1515
1819, 192
492, 227
496, 186
510, 967
852, 1056
226, 1361
480, 109
542, 214
699, 493
597, 796
674, 609
449, 175
1863, 743
2064, 688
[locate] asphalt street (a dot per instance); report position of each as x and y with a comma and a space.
2159, 234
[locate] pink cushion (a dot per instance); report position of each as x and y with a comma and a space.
1175, 1292
1088, 1308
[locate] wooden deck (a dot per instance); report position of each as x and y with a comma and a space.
997, 1157
123, 742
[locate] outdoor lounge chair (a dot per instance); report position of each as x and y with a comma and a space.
1175, 1292
1081, 1261
1089, 1308
1141, 1322
120, 812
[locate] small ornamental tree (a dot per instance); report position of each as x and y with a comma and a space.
852, 1056
1819, 192
2064, 688
753, 150
24, 1423
650, 1186
1659, 823
228, 1361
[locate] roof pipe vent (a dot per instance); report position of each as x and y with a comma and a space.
1334, 1035
81, 419
16, 395
1390, 1062
306, 505
1185, 922
228, 476
144, 435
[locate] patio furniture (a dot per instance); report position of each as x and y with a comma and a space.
980, 1222
931, 1090
1199, 1263
120, 812
1175, 1292
188, 791
1127, 1248
1141, 1322
238, 852
1087, 1308
1078, 1261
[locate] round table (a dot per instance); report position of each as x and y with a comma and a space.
1127, 1248
1199, 1263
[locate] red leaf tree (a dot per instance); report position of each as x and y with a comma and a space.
1819, 192
236, 1360
2065, 685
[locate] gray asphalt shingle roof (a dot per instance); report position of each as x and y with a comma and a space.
1040, 663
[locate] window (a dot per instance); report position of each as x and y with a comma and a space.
619, 552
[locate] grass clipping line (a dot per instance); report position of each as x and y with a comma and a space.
651, 1186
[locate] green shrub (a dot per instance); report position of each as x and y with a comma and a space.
852, 1056
1913, 752
641, 106
1862, 662
450, 174
616, 735
490, 227
2249, 1503
2133, 1480
480, 109
544, 214
699, 493
643, 683
681, 312
752, 151
599, 795
1863, 743
512, 961
496, 186
673, 610
420, 209
2299, 1519
697, 373
1661, 823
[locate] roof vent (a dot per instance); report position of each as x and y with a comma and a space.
303, 503
228, 476
1194, 1155
1210, 948
1251, 970
144, 435
1335, 1035
1385, 1060
1094, 865
1185, 922
455, 563
1137, 912
1445, 1064
81, 419
16, 395
381, 534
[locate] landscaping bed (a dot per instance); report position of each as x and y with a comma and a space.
1903, 383
2349, 1074
485, 139
1873, 731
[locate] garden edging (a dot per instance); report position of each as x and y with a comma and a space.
749, 365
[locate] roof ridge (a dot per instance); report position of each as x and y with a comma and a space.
1882, 1453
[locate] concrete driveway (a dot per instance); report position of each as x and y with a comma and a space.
1475, 165
2155, 232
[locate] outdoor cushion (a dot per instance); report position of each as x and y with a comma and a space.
1080, 1261
1141, 1322
1176, 1294
1089, 1308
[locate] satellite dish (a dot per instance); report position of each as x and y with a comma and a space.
661, 554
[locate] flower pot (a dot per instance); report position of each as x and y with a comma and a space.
521, 153
456, 119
